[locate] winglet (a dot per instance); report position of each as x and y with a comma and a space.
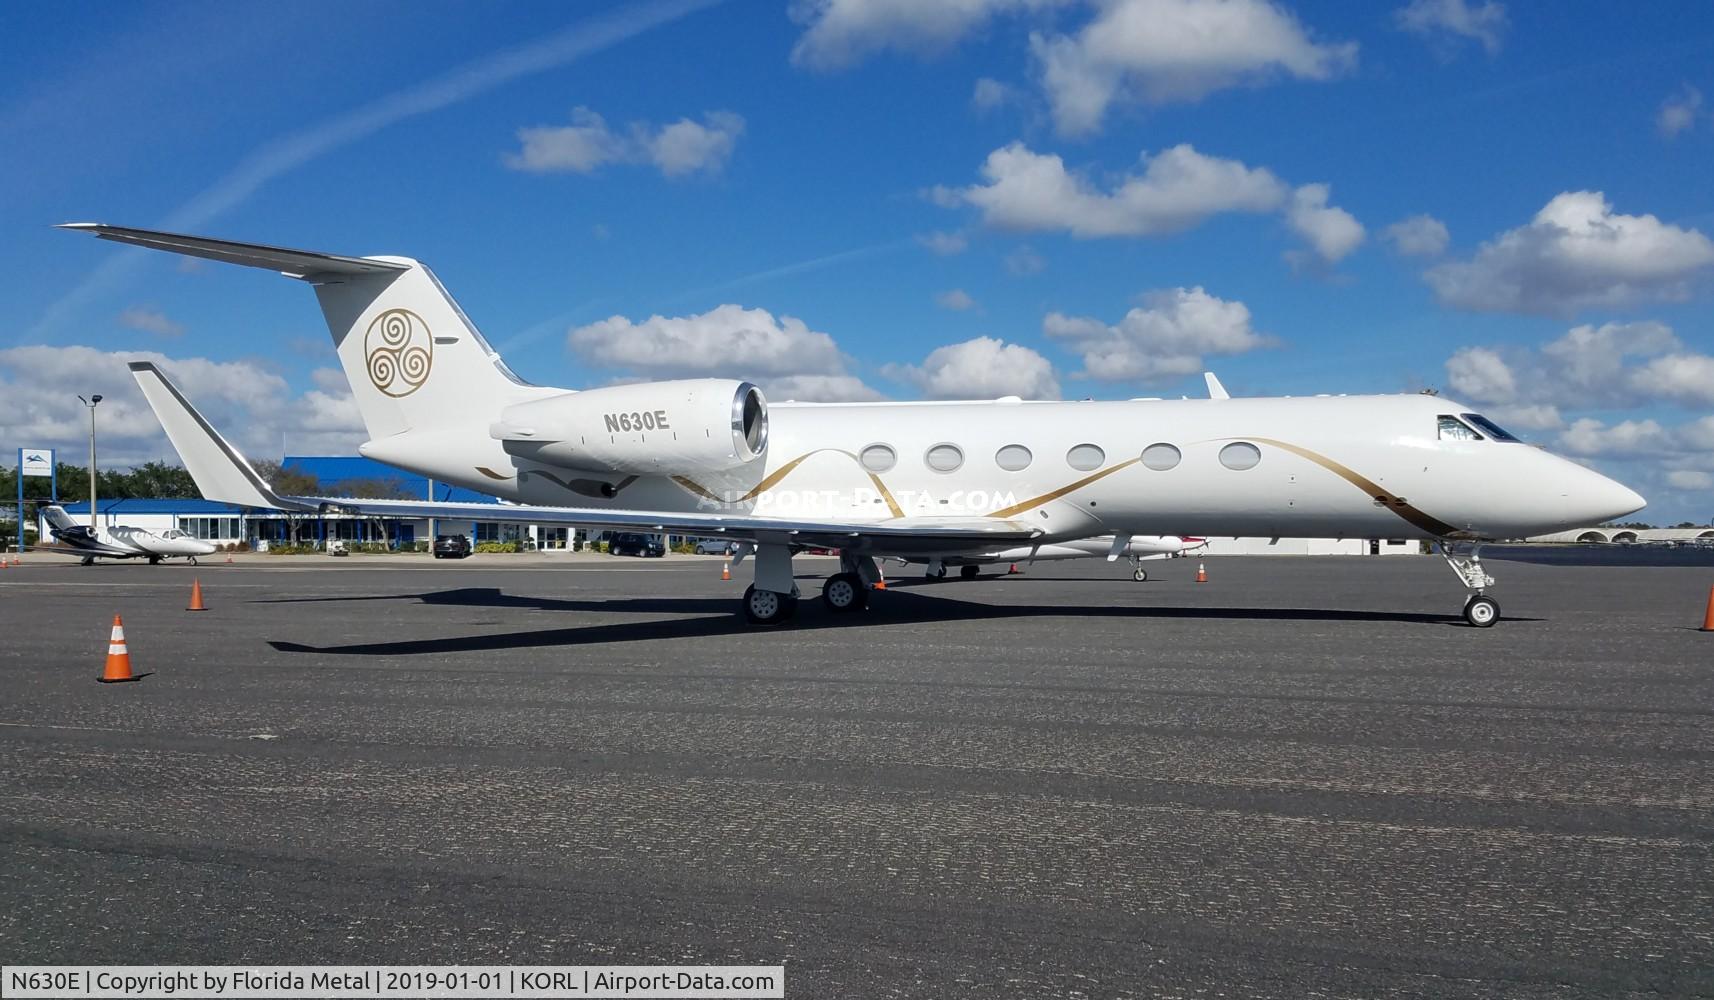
221, 473
1215, 389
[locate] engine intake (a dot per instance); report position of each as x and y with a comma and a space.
651, 428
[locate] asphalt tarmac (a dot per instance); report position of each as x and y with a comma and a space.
1306, 777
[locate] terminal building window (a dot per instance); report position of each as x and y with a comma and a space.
210, 528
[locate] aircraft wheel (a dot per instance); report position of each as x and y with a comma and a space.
1481, 612
765, 607
844, 592
89, 560
1139, 574
193, 560
154, 560
969, 572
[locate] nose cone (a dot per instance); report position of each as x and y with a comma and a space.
1603, 499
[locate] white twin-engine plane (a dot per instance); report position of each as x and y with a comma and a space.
933, 481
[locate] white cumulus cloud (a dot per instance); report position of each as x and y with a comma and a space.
1165, 337
1445, 21
253, 406
1690, 479
819, 389
1590, 437
1178, 188
946, 244
1678, 113
956, 299
1166, 51
1575, 254
1417, 236
841, 33
1330, 231
588, 144
150, 320
982, 368
727, 341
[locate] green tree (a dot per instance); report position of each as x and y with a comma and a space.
292, 482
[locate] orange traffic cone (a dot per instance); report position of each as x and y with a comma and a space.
118, 658
881, 575
1201, 574
1708, 619
726, 571
196, 596
1013, 569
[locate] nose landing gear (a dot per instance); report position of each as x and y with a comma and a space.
1480, 610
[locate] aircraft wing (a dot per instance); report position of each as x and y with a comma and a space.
100, 550
222, 474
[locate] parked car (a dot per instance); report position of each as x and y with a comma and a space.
715, 546
451, 547
630, 544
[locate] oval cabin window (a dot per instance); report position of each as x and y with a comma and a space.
1085, 457
878, 458
944, 458
1013, 458
1161, 457
1240, 455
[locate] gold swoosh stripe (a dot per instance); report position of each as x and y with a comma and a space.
1034, 502
491, 474
1421, 519
774, 478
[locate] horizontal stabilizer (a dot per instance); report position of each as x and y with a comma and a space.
296, 263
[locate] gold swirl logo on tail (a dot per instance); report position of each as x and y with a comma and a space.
398, 351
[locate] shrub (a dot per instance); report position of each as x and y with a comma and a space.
497, 547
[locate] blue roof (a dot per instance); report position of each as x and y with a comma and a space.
333, 471
149, 505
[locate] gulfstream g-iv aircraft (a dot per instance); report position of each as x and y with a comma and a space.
931, 480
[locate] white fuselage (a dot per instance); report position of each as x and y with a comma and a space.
168, 545
1344, 466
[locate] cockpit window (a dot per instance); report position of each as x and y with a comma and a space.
1494, 430
1453, 429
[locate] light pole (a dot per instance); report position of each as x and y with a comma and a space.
91, 403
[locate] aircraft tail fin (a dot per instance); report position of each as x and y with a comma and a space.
220, 472
414, 360
58, 519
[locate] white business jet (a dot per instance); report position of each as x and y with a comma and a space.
123, 542
924, 480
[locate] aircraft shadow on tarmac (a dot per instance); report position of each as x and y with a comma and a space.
717, 618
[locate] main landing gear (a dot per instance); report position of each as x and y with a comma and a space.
1480, 610
773, 598
769, 607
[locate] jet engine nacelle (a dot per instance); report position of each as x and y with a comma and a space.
651, 428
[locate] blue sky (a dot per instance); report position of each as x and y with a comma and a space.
1053, 198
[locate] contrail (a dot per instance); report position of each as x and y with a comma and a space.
286, 153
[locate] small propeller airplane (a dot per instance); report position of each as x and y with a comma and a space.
126, 542
914, 480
